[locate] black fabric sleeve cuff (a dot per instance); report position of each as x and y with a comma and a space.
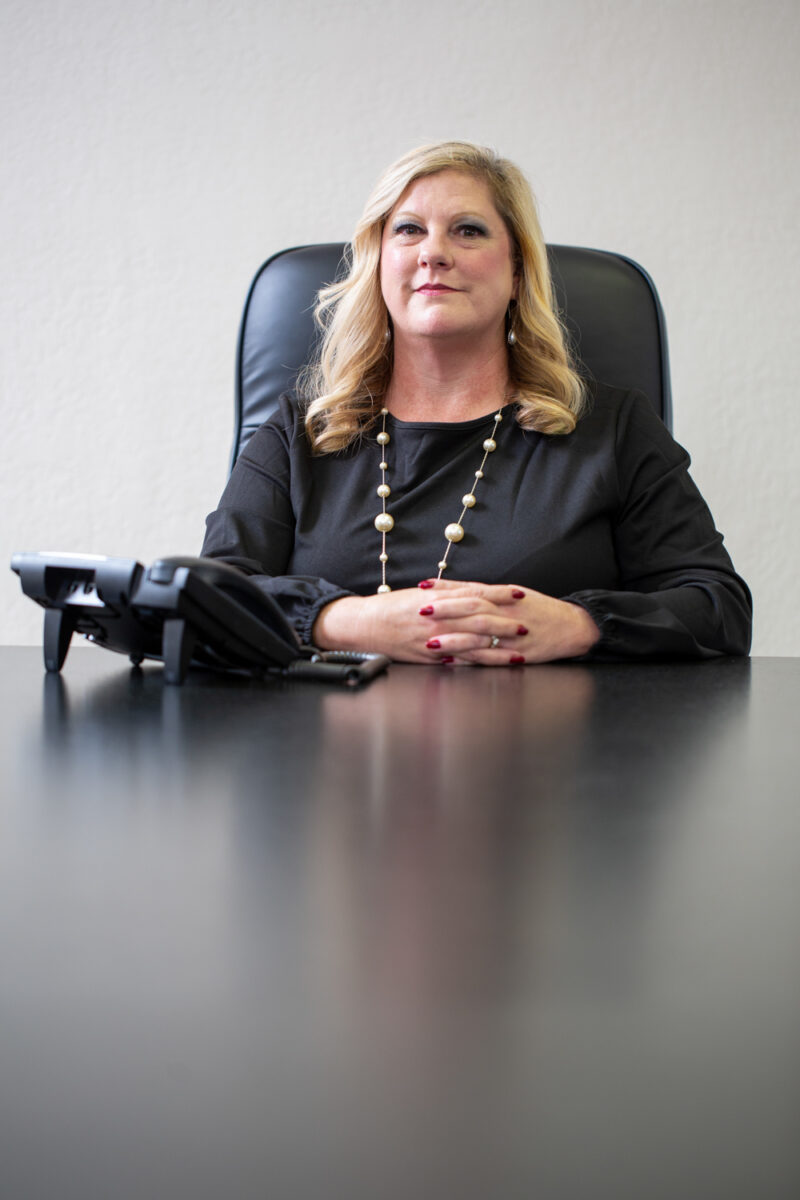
301, 597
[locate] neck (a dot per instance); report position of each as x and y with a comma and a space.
435, 382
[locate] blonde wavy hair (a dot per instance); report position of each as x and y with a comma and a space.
345, 384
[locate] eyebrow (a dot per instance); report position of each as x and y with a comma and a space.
467, 215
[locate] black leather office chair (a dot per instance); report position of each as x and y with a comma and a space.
608, 303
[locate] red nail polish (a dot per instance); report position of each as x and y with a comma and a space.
426, 583
521, 630
427, 611
517, 594
434, 644
517, 659
447, 658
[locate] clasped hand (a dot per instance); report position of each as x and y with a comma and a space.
453, 621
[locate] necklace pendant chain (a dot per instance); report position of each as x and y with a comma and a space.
384, 522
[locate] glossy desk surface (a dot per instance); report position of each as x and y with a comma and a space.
464, 933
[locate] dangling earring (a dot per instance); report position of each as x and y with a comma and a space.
511, 337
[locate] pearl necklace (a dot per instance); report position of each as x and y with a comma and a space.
384, 522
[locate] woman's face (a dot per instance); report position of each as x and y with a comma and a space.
446, 261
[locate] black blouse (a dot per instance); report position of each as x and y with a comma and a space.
607, 517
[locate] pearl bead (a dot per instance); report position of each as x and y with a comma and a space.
468, 501
384, 466
489, 445
384, 558
384, 490
443, 565
454, 532
479, 474
384, 439
498, 416
384, 522
384, 412
384, 587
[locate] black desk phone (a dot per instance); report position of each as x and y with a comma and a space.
181, 611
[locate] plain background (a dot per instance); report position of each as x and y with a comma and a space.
154, 154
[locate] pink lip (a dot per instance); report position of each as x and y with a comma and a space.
434, 289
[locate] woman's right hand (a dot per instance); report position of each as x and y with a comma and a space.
389, 623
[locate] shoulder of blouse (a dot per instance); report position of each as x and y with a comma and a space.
286, 419
626, 411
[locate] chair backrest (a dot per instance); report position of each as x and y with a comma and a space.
607, 302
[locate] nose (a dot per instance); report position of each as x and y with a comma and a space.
434, 251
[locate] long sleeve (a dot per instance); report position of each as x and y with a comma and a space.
253, 527
679, 593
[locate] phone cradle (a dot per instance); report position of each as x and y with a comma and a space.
182, 611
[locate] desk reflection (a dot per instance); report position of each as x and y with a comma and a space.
427, 841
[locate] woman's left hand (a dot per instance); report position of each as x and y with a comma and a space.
502, 624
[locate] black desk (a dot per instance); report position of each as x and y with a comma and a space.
523, 933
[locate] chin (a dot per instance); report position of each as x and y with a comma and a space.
439, 326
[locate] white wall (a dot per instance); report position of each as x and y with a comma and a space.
155, 153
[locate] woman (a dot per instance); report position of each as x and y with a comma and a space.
443, 442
